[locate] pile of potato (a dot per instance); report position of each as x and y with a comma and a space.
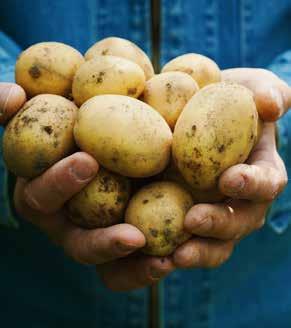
162, 140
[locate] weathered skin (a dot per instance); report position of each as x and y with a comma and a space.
102, 202
107, 75
202, 69
122, 48
168, 94
47, 67
217, 129
124, 135
158, 211
39, 135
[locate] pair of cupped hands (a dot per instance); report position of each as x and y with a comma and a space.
250, 188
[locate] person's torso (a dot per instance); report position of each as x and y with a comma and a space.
233, 32
40, 286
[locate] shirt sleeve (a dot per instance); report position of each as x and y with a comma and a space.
8, 54
279, 215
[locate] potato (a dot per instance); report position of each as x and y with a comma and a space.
39, 135
213, 195
122, 48
124, 135
217, 129
102, 202
158, 211
107, 75
168, 93
202, 69
47, 67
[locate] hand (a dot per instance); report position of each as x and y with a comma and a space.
216, 228
41, 202
12, 97
272, 95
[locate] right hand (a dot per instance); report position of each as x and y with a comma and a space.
41, 201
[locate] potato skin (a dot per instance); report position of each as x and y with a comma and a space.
107, 75
101, 203
122, 48
47, 68
158, 211
171, 173
124, 135
202, 69
217, 129
168, 93
39, 135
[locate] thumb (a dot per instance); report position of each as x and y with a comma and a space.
12, 97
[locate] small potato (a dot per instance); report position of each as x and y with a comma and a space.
107, 75
39, 135
102, 202
168, 93
217, 129
122, 48
47, 67
158, 211
124, 135
202, 69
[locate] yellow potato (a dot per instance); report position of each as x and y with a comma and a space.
168, 93
47, 67
122, 48
39, 135
217, 129
107, 75
124, 135
158, 211
102, 202
202, 69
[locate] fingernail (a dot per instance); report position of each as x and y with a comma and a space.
156, 274
82, 172
125, 248
236, 185
6, 93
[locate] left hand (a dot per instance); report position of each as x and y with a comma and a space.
251, 187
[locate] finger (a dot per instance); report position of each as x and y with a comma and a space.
12, 97
102, 245
269, 91
50, 191
286, 92
269, 101
85, 246
202, 253
260, 182
134, 272
225, 221
265, 176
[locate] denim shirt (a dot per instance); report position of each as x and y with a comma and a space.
40, 286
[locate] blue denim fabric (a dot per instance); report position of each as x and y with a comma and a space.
41, 287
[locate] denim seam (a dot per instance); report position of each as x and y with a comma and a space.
211, 28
